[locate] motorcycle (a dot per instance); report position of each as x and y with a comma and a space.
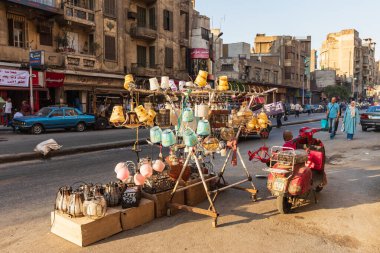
296, 174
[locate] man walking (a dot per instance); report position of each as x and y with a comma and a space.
297, 110
7, 112
333, 114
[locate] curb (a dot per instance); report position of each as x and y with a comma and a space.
70, 151
10, 158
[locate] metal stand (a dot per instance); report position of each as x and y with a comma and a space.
211, 195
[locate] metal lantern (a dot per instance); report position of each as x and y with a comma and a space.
86, 189
95, 207
227, 133
62, 200
210, 144
76, 204
131, 197
112, 194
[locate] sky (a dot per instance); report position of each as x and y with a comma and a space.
241, 20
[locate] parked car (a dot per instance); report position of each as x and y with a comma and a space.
54, 117
370, 118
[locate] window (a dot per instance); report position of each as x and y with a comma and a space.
141, 16
275, 77
91, 43
168, 20
168, 57
110, 8
46, 36
152, 57
266, 75
109, 48
70, 112
227, 67
45, 2
16, 30
152, 18
141, 56
205, 34
288, 73
57, 113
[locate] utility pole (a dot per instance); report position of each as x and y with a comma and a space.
31, 82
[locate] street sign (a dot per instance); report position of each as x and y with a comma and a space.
37, 58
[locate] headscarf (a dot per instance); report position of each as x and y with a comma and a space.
352, 109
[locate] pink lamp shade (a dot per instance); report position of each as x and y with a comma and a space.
158, 165
146, 170
122, 172
139, 179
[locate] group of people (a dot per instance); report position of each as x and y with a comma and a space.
350, 118
9, 112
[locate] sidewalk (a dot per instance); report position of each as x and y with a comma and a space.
15, 147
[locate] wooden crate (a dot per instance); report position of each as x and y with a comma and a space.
137, 216
161, 199
85, 231
195, 195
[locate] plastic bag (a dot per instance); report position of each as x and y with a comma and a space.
46, 146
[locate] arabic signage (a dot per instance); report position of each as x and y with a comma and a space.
272, 109
37, 58
54, 80
14, 78
200, 53
38, 79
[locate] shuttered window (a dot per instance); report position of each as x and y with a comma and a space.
141, 16
152, 18
110, 48
16, 30
168, 20
168, 57
110, 8
152, 57
141, 56
46, 35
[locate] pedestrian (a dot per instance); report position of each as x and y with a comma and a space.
278, 119
298, 109
7, 112
25, 108
350, 120
288, 138
308, 109
17, 114
333, 117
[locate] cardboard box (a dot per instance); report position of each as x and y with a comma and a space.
197, 194
161, 199
137, 216
85, 231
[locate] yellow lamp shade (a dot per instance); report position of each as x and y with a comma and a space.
203, 74
151, 115
142, 114
117, 115
127, 80
200, 81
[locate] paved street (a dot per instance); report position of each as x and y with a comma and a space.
13, 143
346, 219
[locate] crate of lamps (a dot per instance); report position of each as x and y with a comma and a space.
86, 213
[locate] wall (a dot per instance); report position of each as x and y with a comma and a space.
238, 49
324, 78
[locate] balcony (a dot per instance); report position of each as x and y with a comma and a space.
183, 40
147, 2
14, 54
143, 33
80, 62
54, 59
184, 5
143, 71
79, 15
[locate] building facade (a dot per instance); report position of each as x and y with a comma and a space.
342, 51
369, 64
89, 46
292, 55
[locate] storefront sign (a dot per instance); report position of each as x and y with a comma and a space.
38, 79
200, 53
272, 109
54, 80
37, 58
14, 78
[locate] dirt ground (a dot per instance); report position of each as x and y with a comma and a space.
345, 219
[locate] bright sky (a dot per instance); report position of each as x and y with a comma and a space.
241, 20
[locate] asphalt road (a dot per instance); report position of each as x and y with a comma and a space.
14, 143
346, 219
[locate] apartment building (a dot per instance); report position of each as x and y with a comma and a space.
342, 52
369, 64
292, 55
89, 45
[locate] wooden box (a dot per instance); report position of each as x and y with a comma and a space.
137, 216
197, 194
85, 231
161, 199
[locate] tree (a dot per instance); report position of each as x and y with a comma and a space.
337, 91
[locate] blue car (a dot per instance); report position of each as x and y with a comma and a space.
54, 117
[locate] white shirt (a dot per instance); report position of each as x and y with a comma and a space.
8, 107
18, 115
298, 107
